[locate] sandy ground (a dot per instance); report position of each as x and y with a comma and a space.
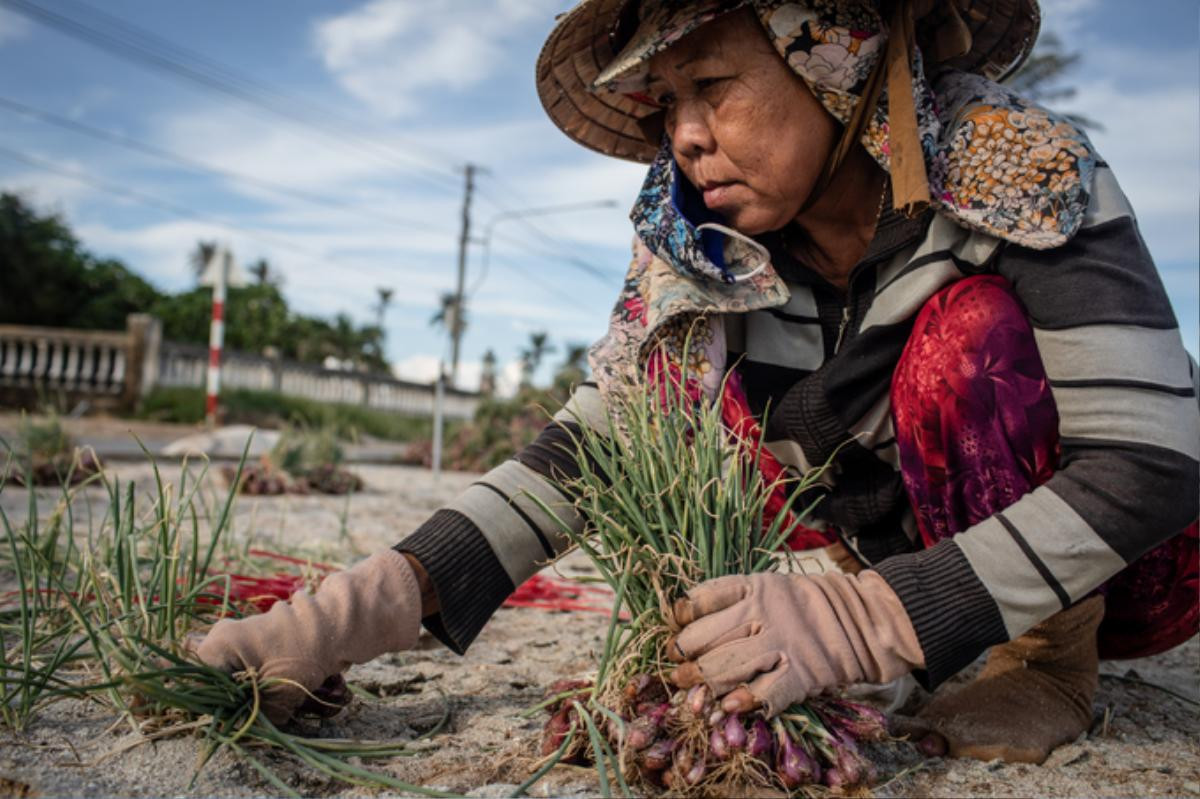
1149, 746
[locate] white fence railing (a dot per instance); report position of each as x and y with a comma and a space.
120, 367
185, 365
63, 359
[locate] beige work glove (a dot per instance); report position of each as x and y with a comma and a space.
773, 639
354, 616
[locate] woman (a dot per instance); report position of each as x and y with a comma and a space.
916, 276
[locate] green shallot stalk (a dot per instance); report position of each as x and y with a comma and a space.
106, 620
671, 498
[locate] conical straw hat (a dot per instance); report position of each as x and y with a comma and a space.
587, 38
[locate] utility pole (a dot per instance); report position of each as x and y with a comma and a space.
216, 336
456, 323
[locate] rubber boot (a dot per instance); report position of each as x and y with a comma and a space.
1035, 693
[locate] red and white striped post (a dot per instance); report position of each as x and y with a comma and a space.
216, 336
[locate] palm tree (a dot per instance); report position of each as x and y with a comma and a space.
487, 376
347, 340
385, 299
199, 258
448, 315
531, 357
264, 274
573, 369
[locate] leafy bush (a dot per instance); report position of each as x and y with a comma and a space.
44, 454
500, 428
271, 409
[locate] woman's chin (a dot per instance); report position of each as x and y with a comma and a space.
751, 221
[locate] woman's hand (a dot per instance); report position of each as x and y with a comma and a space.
299, 646
773, 639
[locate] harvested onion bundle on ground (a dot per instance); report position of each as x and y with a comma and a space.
101, 611
671, 500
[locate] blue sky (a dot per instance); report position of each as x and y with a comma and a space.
422, 88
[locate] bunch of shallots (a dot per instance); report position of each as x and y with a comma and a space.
683, 742
673, 498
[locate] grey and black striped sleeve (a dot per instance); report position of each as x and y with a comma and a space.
1129, 428
494, 536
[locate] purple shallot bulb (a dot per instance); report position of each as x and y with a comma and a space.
637, 683
735, 732
794, 765
758, 742
641, 733
834, 778
556, 730
717, 744
696, 772
658, 756
849, 760
862, 722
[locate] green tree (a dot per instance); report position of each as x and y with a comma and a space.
450, 314
47, 278
574, 368
531, 357
200, 256
264, 274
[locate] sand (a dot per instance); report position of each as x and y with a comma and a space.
1145, 742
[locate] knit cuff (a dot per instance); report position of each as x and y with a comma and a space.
954, 615
467, 577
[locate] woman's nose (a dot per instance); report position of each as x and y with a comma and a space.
690, 132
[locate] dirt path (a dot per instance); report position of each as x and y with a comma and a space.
1149, 746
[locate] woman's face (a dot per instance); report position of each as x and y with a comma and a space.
744, 128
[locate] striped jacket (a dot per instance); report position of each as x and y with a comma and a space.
1129, 428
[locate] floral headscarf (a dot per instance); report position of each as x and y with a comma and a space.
995, 163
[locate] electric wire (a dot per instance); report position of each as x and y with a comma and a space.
134, 44
161, 204
550, 246
144, 148
549, 288
185, 212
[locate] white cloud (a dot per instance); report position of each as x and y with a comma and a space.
12, 26
48, 192
1066, 17
387, 52
1158, 165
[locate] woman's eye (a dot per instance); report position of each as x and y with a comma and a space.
665, 99
707, 83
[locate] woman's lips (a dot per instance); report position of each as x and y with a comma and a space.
717, 194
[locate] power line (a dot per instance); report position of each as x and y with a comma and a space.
605, 276
550, 245
136, 145
152, 201
542, 284
185, 212
135, 44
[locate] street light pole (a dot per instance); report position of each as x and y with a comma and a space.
456, 326
455, 323
503, 216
